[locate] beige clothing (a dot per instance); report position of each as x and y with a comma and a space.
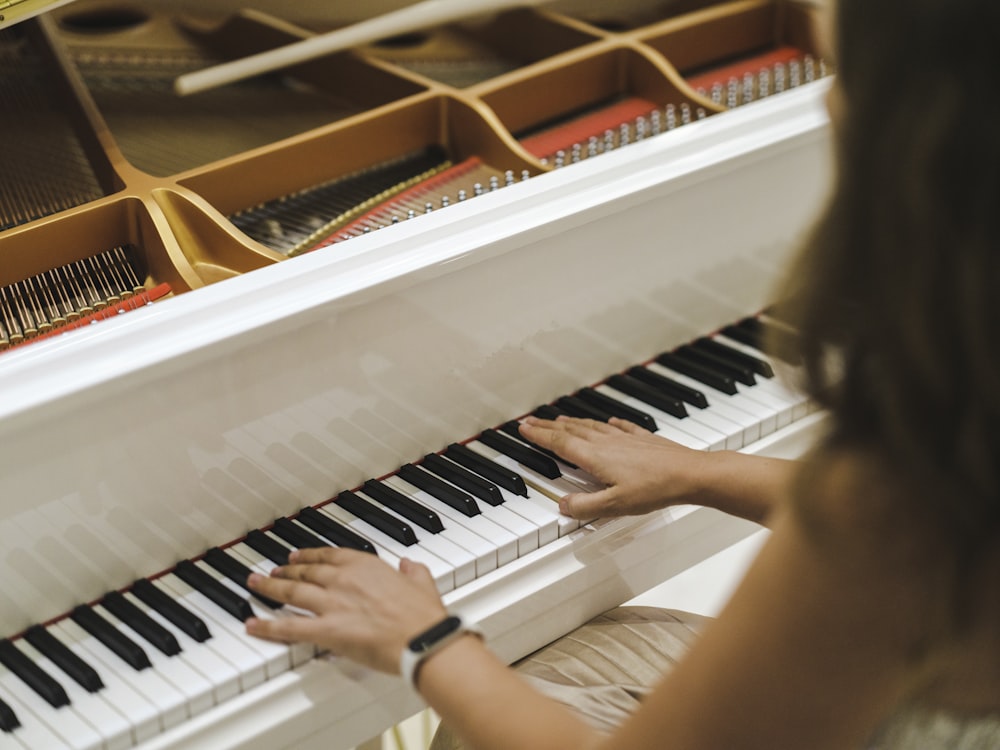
602, 670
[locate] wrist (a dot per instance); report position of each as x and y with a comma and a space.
430, 642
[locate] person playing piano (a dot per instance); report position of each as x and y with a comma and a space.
871, 617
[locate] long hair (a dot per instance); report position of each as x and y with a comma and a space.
897, 294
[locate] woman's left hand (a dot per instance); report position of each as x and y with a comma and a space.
365, 610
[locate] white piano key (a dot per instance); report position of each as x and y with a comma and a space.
682, 431
65, 722
141, 712
248, 662
272, 657
444, 576
802, 405
492, 545
200, 657
756, 422
34, 731
553, 488
197, 690
461, 561
779, 407
524, 530
112, 727
169, 703
299, 653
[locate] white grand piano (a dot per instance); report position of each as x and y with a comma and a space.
266, 384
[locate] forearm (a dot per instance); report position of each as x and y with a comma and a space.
742, 485
478, 696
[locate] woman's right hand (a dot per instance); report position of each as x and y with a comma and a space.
642, 471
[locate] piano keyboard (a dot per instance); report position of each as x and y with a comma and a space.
120, 671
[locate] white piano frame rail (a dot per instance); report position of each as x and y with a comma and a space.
147, 439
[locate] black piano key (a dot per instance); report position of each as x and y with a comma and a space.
446, 493
335, 532
265, 545
141, 623
32, 675
577, 407
737, 372
227, 599
236, 572
756, 364
462, 477
616, 408
484, 467
405, 506
648, 394
709, 377
548, 411
171, 610
8, 719
297, 536
521, 453
669, 386
120, 644
64, 658
743, 334
371, 514
513, 429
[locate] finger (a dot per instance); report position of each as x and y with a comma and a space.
630, 427
417, 572
587, 505
327, 555
297, 593
286, 629
322, 574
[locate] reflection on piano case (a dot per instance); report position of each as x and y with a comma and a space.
538, 206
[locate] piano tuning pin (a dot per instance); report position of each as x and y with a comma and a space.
462, 195
764, 83
779, 78
794, 74
560, 159
609, 140
494, 183
654, 122
428, 207
809, 69
748, 88
685, 113
508, 177
410, 214
640, 128
525, 175
716, 93
700, 113
395, 219
822, 69
445, 202
732, 93
575, 153
624, 135
593, 146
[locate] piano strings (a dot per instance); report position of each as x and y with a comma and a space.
48, 171
72, 295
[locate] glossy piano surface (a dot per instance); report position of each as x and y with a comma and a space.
276, 383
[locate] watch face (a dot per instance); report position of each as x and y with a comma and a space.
434, 634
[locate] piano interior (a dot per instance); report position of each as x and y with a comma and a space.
357, 262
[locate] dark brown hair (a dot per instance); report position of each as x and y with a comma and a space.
897, 294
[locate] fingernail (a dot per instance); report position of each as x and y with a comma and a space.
251, 624
564, 507
293, 555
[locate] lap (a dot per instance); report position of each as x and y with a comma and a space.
602, 669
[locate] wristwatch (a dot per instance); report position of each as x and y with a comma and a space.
430, 641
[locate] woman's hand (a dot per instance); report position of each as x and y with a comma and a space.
364, 609
642, 471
